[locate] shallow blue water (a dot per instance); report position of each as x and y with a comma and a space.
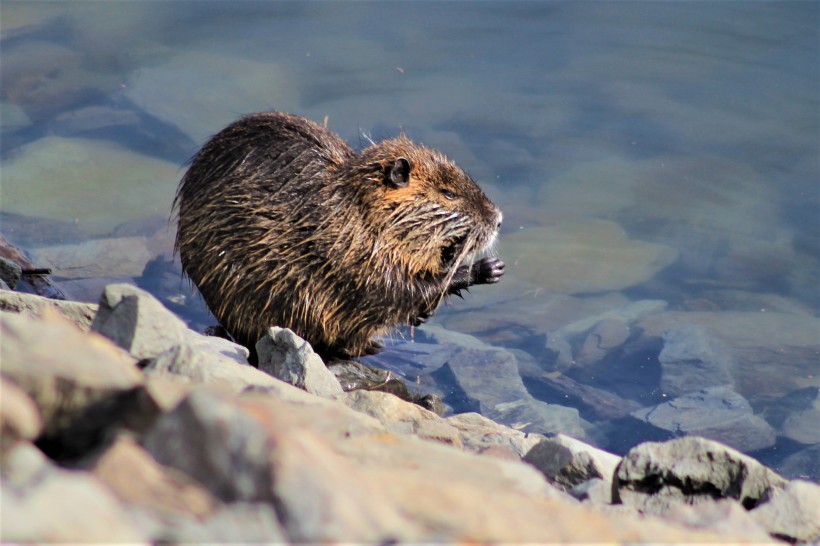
690, 129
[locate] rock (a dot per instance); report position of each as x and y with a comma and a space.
126, 185
159, 489
134, 320
805, 464
9, 273
691, 469
19, 416
792, 512
190, 363
81, 314
606, 335
775, 353
723, 515
802, 425
558, 256
488, 379
286, 356
717, 413
595, 491
253, 86
115, 258
567, 462
81, 383
63, 506
479, 434
400, 417
691, 360
240, 522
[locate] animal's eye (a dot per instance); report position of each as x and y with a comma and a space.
448, 194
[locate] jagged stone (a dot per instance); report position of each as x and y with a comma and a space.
286, 356
568, 462
134, 320
691, 469
10, 273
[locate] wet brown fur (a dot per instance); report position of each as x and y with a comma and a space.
282, 223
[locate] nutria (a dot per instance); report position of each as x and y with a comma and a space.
282, 223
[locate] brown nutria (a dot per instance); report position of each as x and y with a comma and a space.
281, 223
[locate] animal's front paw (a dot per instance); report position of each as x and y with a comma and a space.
488, 270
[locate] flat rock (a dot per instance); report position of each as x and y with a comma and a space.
558, 256
79, 381
59, 178
568, 462
717, 413
400, 417
479, 434
134, 320
164, 90
117, 258
691, 469
31, 305
691, 360
792, 512
286, 356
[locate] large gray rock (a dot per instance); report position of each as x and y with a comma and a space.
803, 425
568, 462
290, 358
133, 319
805, 464
80, 382
718, 413
691, 360
691, 469
123, 257
793, 513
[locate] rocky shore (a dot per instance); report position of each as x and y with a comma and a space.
121, 424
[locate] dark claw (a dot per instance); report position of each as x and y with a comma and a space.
488, 270
373, 349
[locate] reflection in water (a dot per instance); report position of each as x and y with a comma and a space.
657, 167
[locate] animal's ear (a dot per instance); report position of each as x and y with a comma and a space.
399, 173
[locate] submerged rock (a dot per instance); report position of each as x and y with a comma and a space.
718, 413
63, 178
691, 360
584, 256
99, 258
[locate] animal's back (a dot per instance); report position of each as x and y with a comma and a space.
248, 206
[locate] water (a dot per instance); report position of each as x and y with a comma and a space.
657, 164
